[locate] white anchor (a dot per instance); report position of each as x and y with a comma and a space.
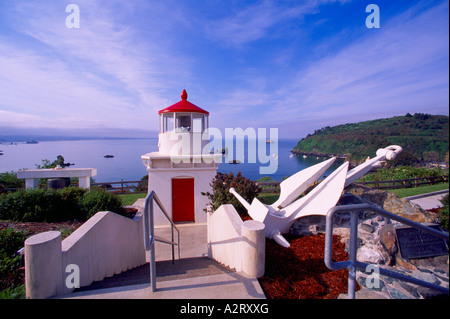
279, 217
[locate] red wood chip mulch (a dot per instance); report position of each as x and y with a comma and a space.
299, 272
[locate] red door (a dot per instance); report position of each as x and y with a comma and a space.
183, 200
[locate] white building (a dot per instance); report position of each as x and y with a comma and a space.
179, 172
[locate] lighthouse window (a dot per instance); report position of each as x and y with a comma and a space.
198, 123
183, 122
167, 123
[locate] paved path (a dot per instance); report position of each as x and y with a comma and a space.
231, 285
430, 200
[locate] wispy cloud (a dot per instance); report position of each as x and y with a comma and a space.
260, 64
260, 21
399, 68
102, 72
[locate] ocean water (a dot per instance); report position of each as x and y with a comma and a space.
127, 164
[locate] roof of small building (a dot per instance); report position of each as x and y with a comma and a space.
183, 106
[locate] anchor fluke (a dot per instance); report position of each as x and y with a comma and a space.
280, 240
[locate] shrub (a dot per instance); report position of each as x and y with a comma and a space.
221, 185
10, 274
31, 205
100, 200
10, 180
48, 205
402, 172
11, 241
70, 204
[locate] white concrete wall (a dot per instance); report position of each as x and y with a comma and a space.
161, 182
106, 245
236, 244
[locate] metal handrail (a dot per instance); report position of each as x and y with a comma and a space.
149, 234
352, 264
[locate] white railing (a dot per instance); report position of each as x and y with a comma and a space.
149, 234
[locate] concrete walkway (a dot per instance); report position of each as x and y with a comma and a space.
230, 285
193, 276
429, 200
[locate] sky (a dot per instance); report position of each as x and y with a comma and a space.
293, 65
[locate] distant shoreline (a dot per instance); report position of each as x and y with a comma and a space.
4, 139
324, 155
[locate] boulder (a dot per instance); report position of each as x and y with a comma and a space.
391, 203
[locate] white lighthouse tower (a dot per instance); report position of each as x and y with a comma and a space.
179, 172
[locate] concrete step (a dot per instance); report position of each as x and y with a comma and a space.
165, 271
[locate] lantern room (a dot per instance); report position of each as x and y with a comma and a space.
181, 118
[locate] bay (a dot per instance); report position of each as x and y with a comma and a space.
127, 164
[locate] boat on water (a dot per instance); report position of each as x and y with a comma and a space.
108, 156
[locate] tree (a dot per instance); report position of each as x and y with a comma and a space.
221, 185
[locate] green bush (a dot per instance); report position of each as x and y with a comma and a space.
402, 172
10, 274
221, 185
10, 180
49, 205
71, 197
100, 200
31, 205
11, 241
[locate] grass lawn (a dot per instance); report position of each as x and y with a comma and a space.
129, 199
268, 198
406, 192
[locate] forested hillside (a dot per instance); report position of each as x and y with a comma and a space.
422, 136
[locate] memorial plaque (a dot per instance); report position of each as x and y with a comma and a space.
414, 243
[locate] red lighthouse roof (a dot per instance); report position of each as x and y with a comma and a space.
183, 106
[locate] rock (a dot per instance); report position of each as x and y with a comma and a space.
369, 256
368, 282
366, 228
397, 294
391, 203
343, 233
411, 289
425, 276
403, 291
309, 225
388, 239
402, 263
366, 293
366, 238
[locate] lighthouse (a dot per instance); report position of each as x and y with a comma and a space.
179, 172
